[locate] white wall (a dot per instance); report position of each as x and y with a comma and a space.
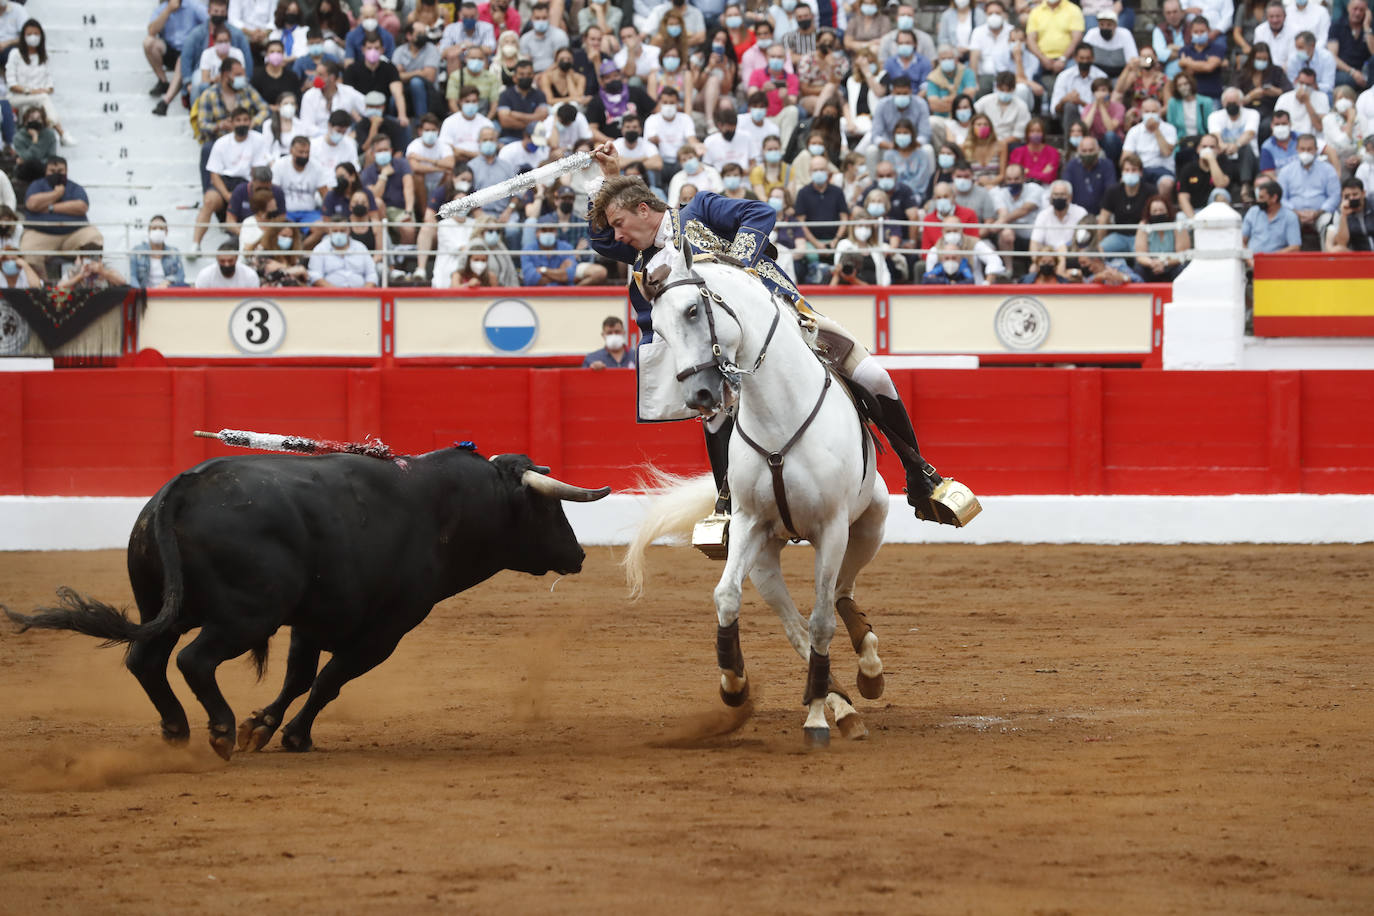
54, 523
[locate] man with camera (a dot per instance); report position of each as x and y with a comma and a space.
1354, 219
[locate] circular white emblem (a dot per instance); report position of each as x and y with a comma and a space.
14, 331
510, 325
257, 326
1022, 323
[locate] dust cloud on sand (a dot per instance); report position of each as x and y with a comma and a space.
71, 765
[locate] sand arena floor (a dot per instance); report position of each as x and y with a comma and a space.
1065, 730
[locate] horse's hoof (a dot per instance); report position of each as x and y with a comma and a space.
816, 737
176, 734
870, 688
222, 745
297, 744
852, 727
735, 700
256, 730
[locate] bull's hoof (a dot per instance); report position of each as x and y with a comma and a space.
177, 733
852, 727
816, 737
297, 744
871, 688
256, 730
735, 700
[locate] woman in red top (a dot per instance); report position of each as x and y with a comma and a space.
1040, 161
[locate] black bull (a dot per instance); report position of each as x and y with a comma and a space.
351, 552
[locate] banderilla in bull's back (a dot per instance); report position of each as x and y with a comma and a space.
372, 447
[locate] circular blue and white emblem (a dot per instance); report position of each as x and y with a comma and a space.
510, 325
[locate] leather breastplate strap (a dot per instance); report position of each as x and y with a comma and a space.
775, 459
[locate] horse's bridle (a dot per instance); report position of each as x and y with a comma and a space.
731, 372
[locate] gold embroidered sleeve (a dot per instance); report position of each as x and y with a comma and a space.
747, 246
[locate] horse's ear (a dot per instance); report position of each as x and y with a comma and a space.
686, 248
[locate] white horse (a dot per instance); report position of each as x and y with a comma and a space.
717, 318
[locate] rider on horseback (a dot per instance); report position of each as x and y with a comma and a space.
629, 224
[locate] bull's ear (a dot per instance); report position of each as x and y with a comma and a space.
685, 247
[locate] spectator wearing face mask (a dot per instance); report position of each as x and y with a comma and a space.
357, 36
1090, 175
304, 183
196, 43
1054, 29
772, 172
380, 84
155, 264
1018, 201
1236, 127
1073, 92
941, 207
632, 147
755, 127
915, 166
614, 355
231, 160
417, 64
900, 104
949, 80
228, 271
489, 169
1113, 47
275, 77
959, 259
468, 31
1281, 147
241, 201
1343, 127
727, 144
55, 220
317, 53
1040, 159
1007, 111
341, 260
461, 130
15, 273
1203, 59
474, 269
389, 179
1311, 188
906, 22
821, 208
971, 195
337, 147
1306, 16
1160, 242
488, 244
1269, 226
1355, 219
522, 104
376, 123
669, 129
30, 81
1124, 205
330, 95
1153, 140
34, 143
282, 126
695, 172
552, 264
543, 40
1197, 179
906, 61
1054, 225
1305, 103
291, 30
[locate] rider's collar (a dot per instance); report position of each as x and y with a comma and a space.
667, 229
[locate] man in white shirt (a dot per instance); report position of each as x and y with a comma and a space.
335, 95
726, 144
543, 41
460, 130
1016, 201
755, 126
1237, 128
1277, 32
564, 128
1009, 115
302, 181
1153, 140
636, 59
694, 172
632, 147
1113, 47
231, 159
255, 18
1307, 16
693, 22
228, 272
990, 45
668, 129
1304, 104
336, 146
430, 157
1073, 87
341, 260
1054, 225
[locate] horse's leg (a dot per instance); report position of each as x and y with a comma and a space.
745, 542
830, 547
767, 578
865, 537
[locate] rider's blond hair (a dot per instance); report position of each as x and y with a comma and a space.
625, 191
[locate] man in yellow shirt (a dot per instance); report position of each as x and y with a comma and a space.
1053, 31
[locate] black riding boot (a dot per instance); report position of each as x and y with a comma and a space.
921, 478
718, 450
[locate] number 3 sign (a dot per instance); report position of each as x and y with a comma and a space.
257, 326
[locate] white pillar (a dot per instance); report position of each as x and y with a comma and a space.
1204, 325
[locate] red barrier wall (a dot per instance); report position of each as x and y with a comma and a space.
1003, 431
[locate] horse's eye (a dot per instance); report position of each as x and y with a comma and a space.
692, 312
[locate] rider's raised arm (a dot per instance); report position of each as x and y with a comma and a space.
749, 221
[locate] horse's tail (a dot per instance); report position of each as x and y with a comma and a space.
675, 504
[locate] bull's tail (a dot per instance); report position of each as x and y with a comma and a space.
96, 618
675, 504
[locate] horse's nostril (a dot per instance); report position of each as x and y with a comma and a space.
703, 397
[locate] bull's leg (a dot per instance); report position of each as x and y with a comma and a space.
830, 547
198, 662
748, 538
148, 662
368, 651
767, 578
865, 537
302, 661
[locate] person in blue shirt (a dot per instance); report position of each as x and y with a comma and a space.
615, 355
305, 65
1269, 226
168, 28
906, 62
1306, 53
367, 24
553, 265
1312, 187
900, 102
198, 39
1203, 57
1282, 147
154, 264
1090, 175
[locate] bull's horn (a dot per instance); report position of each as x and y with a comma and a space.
551, 486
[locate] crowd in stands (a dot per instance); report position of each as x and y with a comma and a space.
983, 141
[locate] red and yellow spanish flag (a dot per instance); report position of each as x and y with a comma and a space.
1314, 294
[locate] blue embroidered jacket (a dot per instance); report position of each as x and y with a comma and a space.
709, 223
